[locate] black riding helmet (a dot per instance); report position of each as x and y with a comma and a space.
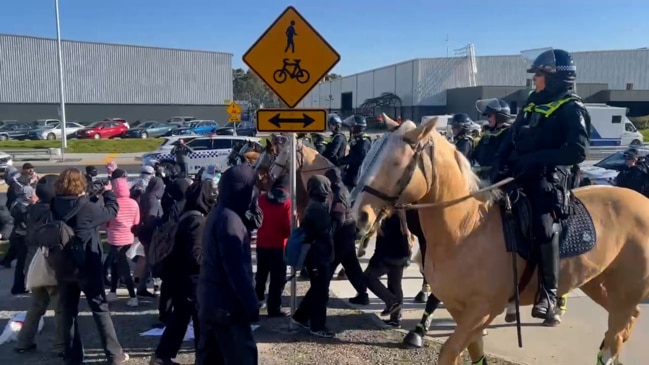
334, 121
557, 66
461, 121
495, 106
359, 124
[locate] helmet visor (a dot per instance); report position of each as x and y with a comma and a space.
485, 106
540, 59
349, 121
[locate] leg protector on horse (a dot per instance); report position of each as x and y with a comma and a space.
482, 361
415, 338
546, 306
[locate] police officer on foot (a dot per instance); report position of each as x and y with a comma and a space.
359, 146
498, 116
634, 176
548, 137
337, 146
461, 127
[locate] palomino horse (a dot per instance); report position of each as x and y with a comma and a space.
308, 163
466, 262
245, 152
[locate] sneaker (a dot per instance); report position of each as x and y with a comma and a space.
145, 294
132, 302
360, 299
155, 360
392, 309
25, 349
111, 297
393, 323
121, 360
304, 324
324, 333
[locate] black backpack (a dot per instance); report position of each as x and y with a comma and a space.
64, 252
163, 240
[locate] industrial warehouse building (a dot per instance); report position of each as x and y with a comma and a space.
450, 85
109, 80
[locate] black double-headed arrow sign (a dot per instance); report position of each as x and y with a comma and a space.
277, 120
291, 120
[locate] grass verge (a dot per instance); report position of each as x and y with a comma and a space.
90, 145
645, 134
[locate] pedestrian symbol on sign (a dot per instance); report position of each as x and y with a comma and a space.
290, 33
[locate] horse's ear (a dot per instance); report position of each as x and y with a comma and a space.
421, 132
390, 124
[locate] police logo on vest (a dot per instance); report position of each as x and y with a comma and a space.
586, 237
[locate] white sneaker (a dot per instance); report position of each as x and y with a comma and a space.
111, 297
132, 302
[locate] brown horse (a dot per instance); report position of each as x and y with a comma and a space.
308, 163
466, 262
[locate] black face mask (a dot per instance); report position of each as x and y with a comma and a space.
253, 216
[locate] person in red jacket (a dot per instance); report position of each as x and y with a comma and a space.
271, 239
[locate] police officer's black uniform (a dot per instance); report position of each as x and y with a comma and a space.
337, 146
548, 137
634, 176
484, 153
319, 142
461, 125
359, 147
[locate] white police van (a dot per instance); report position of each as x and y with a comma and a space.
207, 150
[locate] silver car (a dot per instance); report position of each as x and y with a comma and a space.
53, 132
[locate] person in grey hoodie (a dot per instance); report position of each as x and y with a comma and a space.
151, 218
18, 211
14, 189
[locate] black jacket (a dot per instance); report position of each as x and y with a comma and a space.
226, 278
18, 211
336, 148
464, 144
634, 178
485, 151
6, 222
391, 244
150, 209
176, 192
317, 222
342, 221
358, 149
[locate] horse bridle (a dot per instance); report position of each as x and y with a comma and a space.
300, 163
417, 162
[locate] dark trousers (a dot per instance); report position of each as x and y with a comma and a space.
314, 304
165, 303
19, 271
345, 255
394, 291
226, 345
9, 256
41, 299
184, 168
183, 297
270, 261
120, 268
69, 295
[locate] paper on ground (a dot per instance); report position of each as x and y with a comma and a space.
189, 334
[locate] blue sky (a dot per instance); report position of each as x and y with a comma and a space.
367, 34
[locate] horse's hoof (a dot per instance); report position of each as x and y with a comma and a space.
413, 340
485, 332
510, 318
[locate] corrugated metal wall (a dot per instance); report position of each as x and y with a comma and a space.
111, 74
425, 81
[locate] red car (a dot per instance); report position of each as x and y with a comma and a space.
102, 129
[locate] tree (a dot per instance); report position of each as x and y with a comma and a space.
385, 103
247, 86
332, 76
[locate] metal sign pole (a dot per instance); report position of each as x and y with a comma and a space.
64, 137
293, 194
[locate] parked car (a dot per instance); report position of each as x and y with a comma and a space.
243, 129
53, 131
605, 171
42, 123
202, 126
149, 129
119, 120
180, 121
177, 131
15, 131
5, 161
7, 121
102, 129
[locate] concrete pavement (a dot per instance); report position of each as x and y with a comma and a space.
575, 342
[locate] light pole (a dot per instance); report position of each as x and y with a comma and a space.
64, 136
329, 98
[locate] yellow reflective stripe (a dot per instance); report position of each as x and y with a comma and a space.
547, 109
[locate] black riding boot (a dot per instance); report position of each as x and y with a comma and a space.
546, 305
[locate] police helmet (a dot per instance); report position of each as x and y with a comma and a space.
461, 121
557, 64
91, 171
334, 119
493, 106
359, 124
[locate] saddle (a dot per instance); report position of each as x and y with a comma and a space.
577, 234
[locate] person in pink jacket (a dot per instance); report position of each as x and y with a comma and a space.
120, 238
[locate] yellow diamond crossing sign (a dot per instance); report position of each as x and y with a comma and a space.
291, 57
234, 111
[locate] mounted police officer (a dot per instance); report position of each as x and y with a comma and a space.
359, 146
319, 142
499, 116
337, 146
461, 127
548, 137
634, 176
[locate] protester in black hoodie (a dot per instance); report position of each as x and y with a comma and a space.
71, 195
38, 214
312, 312
344, 238
18, 211
227, 303
151, 218
14, 189
177, 191
181, 270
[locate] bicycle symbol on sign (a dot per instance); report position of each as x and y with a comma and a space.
296, 72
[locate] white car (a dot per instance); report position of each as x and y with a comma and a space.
53, 131
606, 170
207, 151
5, 162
